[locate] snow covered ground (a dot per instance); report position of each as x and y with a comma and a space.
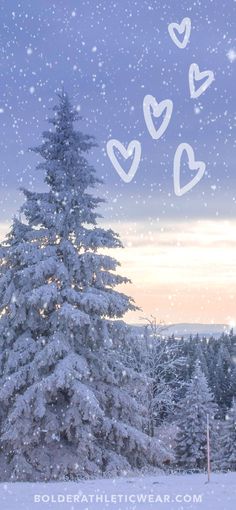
177, 492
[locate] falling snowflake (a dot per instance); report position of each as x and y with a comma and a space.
231, 55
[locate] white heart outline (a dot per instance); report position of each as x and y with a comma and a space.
195, 74
134, 146
193, 165
157, 110
184, 26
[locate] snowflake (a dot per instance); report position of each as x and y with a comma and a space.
231, 55
197, 110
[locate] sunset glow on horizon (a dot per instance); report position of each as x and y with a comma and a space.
180, 271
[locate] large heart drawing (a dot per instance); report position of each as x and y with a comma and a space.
183, 27
195, 75
134, 147
150, 103
193, 165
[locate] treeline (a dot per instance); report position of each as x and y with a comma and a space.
217, 358
189, 378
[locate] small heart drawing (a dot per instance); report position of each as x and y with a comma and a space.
150, 103
193, 165
195, 75
183, 27
133, 147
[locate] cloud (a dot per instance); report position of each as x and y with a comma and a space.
181, 271
4, 229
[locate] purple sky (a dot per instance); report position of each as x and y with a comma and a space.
109, 55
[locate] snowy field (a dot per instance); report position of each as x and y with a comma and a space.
177, 492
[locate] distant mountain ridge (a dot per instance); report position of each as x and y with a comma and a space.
187, 329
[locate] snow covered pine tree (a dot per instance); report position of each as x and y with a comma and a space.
66, 409
191, 441
228, 442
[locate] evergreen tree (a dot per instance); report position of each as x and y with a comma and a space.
191, 438
200, 355
65, 399
228, 443
222, 377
